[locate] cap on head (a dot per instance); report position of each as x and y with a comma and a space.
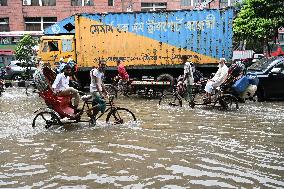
222, 60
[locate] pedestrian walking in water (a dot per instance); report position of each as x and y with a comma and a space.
188, 77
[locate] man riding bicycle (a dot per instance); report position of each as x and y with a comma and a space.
122, 73
97, 89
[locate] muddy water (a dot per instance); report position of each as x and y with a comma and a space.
166, 148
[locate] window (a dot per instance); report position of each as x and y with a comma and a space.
39, 2
197, 2
110, 2
49, 46
233, 2
223, 3
66, 45
3, 2
82, 2
185, 2
153, 6
200, 3
4, 25
45, 47
48, 21
281, 37
48, 2
39, 23
53, 45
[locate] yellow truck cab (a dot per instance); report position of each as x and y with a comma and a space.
52, 48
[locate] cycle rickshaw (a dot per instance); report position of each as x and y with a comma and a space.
223, 97
59, 110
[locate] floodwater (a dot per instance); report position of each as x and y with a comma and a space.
166, 148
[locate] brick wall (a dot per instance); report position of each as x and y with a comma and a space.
16, 11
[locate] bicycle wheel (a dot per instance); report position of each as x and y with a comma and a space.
120, 116
171, 100
228, 102
46, 119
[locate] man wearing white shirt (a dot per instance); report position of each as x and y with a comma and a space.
218, 78
188, 77
61, 87
97, 88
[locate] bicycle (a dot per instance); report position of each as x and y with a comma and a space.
114, 114
175, 98
117, 88
220, 98
59, 110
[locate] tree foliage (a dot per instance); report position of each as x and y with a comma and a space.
25, 50
259, 19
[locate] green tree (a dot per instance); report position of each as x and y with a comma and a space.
259, 20
25, 52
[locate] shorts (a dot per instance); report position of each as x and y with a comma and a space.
99, 101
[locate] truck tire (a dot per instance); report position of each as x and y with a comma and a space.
166, 77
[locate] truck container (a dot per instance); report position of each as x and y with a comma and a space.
149, 43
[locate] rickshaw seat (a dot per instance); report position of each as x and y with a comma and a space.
63, 101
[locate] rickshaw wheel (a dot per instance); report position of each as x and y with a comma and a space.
228, 102
199, 99
46, 119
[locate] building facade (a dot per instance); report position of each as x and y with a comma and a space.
36, 15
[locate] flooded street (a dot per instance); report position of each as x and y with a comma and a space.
167, 148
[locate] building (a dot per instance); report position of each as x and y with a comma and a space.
35, 15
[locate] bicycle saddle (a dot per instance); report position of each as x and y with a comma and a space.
86, 97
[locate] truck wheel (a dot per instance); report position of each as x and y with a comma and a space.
166, 77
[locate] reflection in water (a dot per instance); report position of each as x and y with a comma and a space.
167, 148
